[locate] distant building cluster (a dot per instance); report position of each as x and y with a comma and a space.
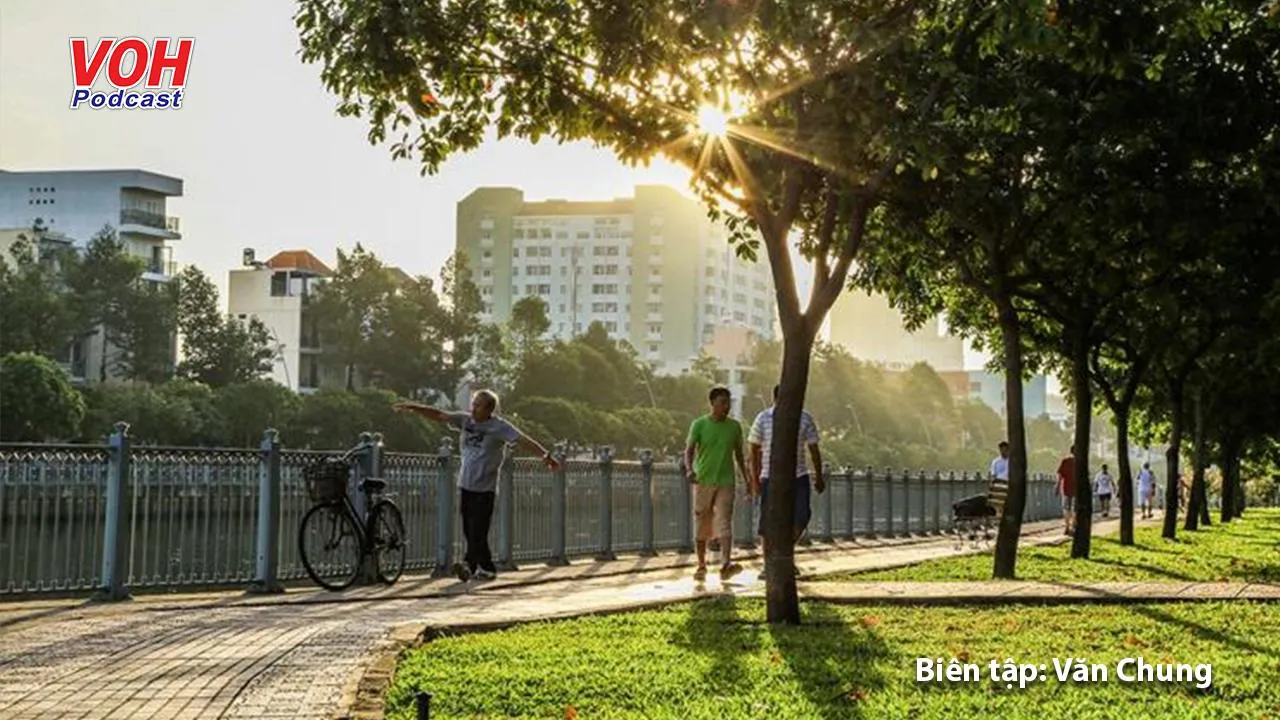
653, 269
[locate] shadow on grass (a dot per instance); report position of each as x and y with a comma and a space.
1197, 630
835, 663
1152, 569
714, 627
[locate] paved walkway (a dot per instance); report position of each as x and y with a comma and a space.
305, 653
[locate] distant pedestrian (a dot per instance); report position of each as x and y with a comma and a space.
711, 451
761, 441
1000, 465
1067, 490
1103, 486
1146, 490
483, 436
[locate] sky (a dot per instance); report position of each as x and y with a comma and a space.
265, 161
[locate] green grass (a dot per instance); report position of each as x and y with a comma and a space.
1245, 550
717, 658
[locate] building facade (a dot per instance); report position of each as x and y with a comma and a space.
988, 388
652, 268
77, 204
279, 293
871, 330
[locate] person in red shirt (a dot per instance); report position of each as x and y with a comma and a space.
1067, 490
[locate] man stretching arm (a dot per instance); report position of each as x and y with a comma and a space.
483, 435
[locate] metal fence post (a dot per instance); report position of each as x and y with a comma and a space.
849, 475
888, 486
871, 502
685, 509
937, 502
606, 504
266, 580
369, 466
559, 514
646, 504
444, 509
828, 512
506, 513
115, 546
906, 503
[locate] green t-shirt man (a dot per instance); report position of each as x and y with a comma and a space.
716, 441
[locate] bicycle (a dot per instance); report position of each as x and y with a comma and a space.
334, 517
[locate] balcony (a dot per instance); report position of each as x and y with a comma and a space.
152, 224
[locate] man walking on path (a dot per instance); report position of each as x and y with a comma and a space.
1146, 489
713, 447
483, 436
1102, 487
1067, 489
761, 440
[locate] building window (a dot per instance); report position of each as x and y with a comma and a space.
709, 309
279, 284
544, 251
654, 307
486, 224
604, 307
545, 233
739, 298
486, 273
515, 252
655, 328
604, 270
611, 327
604, 289
653, 347
740, 317
562, 311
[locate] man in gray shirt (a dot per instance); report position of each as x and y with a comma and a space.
482, 437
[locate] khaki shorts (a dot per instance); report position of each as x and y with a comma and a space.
713, 511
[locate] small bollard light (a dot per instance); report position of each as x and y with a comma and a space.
424, 705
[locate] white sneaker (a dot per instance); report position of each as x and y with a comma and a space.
483, 574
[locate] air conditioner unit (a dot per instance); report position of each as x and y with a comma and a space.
247, 258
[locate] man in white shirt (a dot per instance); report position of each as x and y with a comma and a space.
761, 440
1146, 490
1103, 487
1000, 466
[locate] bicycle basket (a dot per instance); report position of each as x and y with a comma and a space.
327, 481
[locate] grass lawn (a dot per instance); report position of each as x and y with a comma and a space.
717, 658
1245, 550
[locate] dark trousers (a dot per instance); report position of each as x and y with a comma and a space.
477, 516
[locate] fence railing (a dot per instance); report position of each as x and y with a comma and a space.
113, 517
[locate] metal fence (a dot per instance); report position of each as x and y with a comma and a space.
114, 517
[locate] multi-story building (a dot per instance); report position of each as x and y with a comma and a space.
78, 204
872, 330
653, 269
989, 389
279, 292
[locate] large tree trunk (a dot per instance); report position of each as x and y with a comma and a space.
1230, 477
1171, 462
1125, 472
1083, 391
1006, 552
1198, 502
781, 597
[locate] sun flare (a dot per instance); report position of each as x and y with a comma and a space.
713, 121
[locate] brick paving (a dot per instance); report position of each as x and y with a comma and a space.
300, 655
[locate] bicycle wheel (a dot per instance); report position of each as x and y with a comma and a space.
334, 563
387, 541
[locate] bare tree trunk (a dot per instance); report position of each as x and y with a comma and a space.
781, 596
1083, 391
1198, 500
1230, 466
1006, 552
1125, 472
1171, 462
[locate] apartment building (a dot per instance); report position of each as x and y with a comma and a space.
279, 293
77, 204
652, 268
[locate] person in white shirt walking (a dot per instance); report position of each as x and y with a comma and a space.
761, 439
1146, 490
1103, 486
